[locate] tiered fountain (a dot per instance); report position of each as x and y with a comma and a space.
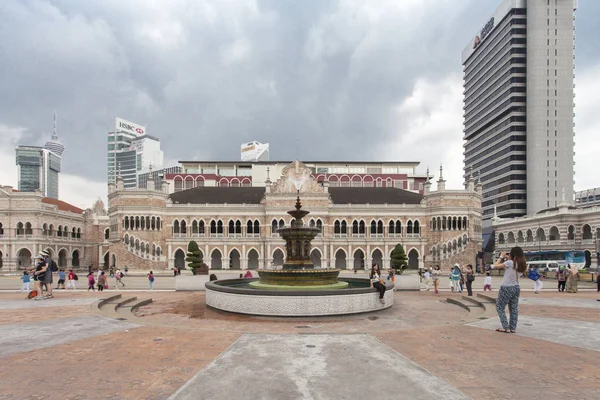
298, 272
298, 288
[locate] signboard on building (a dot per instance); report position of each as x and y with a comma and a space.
255, 151
129, 127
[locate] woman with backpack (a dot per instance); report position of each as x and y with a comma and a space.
561, 276
150, 279
514, 265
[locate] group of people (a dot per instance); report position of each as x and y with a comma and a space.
100, 280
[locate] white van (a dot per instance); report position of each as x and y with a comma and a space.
544, 265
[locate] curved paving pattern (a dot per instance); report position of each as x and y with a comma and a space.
422, 348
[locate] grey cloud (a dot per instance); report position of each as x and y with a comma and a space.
206, 76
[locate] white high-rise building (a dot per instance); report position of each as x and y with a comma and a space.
518, 106
131, 152
254, 151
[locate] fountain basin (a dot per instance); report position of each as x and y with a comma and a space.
241, 296
286, 279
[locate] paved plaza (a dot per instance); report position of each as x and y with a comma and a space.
177, 348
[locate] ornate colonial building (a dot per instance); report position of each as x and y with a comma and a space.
30, 222
558, 228
235, 227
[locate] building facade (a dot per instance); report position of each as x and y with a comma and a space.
564, 228
31, 222
38, 169
130, 155
587, 198
236, 226
518, 106
254, 151
402, 175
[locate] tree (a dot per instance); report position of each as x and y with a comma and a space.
194, 259
398, 259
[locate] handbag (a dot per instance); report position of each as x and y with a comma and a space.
470, 277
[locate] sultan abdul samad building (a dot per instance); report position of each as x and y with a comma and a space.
235, 226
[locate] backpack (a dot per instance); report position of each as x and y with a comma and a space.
151, 278
533, 275
53, 266
32, 294
75, 277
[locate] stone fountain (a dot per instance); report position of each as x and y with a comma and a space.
298, 288
298, 271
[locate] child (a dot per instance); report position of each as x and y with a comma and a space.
91, 282
487, 282
26, 280
101, 281
61, 279
150, 279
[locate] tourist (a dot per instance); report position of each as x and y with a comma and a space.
151, 279
174, 271
118, 279
535, 276
248, 275
377, 282
91, 282
98, 273
25, 279
487, 282
101, 281
38, 276
456, 277
126, 270
111, 271
61, 279
561, 276
427, 279
48, 273
212, 277
572, 279
436, 278
462, 278
513, 264
71, 279
470, 277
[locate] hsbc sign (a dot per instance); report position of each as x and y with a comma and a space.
129, 127
484, 32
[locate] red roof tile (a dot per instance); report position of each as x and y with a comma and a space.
62, 206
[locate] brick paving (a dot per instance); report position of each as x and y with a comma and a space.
154, 360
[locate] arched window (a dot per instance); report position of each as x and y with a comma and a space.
344, 228
213, 227
137, 222
153, 223
373, 227
194, 229
459, 224
183, 227
281, 223
126, 223
238, 227
416, 228
59, 231
434, 224
158, 223
201, 227
176, 229
409, 228
20, 229
570, 233
501, 238
231, 229
443, 223
51, 230
320, 225
220, 227
44, 229
391, 227
256, 227
355, 227
126, 239
586, 232
380, 227
28, 230
465, 223
336, 228
154, 249
361, 227
249, 227
142, 223
274, 227
398, 230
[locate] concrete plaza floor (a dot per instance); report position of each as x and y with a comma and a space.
422, 348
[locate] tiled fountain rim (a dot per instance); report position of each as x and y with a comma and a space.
214, 286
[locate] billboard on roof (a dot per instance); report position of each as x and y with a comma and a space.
122, 125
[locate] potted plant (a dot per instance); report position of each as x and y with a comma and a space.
194, 259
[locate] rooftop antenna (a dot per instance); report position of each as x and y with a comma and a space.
297, 149
54, 134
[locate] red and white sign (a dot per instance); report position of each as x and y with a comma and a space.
122, 125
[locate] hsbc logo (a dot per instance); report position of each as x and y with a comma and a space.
130, 127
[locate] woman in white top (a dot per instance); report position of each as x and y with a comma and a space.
376, 282
513, 264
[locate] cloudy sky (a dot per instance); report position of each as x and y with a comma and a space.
355, 80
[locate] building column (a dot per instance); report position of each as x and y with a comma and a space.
244, 257
422, 258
